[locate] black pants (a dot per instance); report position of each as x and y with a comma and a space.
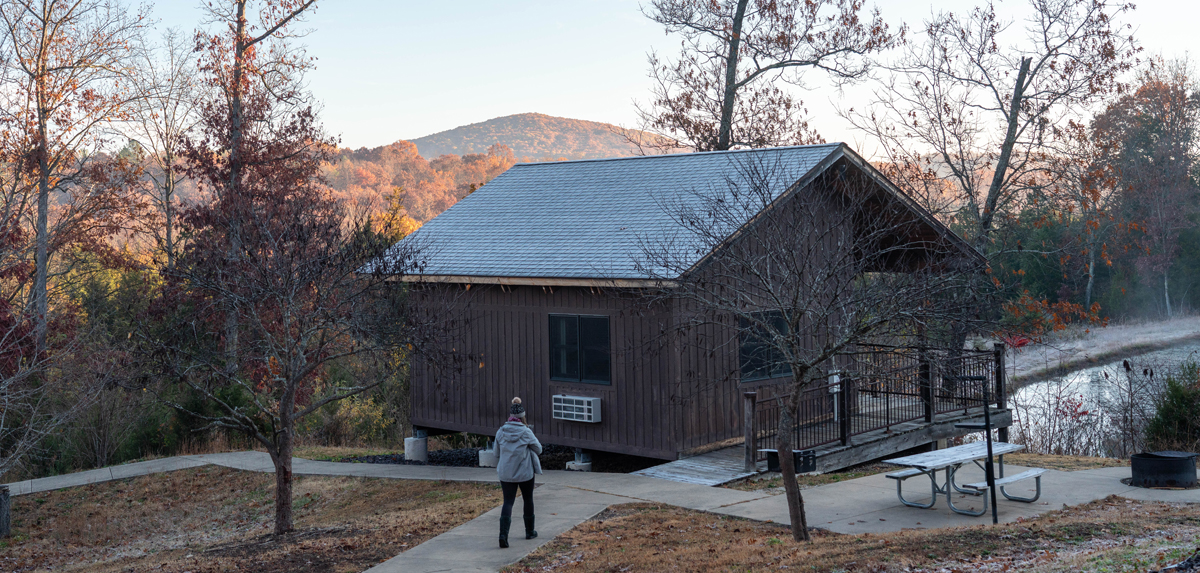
510, 496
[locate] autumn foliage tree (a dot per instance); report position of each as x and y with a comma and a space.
65, 77
300, 303
248, 63
271, 278
257, 152
1085, 188
721, 91
1151, 140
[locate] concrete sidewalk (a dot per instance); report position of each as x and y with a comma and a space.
103, 474
473, 546
565, 499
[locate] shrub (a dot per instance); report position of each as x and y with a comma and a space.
1176, 421
356, 420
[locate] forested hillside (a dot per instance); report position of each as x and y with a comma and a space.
366, 177
433, 172
532, 135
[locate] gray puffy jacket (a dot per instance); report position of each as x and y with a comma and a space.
518, 449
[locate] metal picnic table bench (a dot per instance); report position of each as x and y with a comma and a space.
951, 459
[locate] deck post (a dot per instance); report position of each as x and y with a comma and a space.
998, 351
748, 400
843, 398
925, 376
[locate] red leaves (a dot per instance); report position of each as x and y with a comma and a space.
1030, 318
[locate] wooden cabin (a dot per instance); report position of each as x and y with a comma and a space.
543, 265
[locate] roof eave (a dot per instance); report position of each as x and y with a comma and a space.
536, 281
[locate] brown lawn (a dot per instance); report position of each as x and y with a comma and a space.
1107, 535
218, 519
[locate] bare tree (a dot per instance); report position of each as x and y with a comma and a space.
32, 405
168, 94
64, 76
804, 272
975, 103
720, 93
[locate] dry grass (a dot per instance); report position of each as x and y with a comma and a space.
218, 519
332, 453
1107, 535
1063, 463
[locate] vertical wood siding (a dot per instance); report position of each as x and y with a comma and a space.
508, 345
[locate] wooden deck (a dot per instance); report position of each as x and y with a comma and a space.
728, 464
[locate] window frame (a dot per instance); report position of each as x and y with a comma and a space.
583, 348
773, 365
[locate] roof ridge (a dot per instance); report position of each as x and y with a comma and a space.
686, 154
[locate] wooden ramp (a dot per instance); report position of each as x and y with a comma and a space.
714, 468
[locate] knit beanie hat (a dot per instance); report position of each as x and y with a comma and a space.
516, 410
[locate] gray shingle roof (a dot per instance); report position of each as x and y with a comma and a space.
584, 219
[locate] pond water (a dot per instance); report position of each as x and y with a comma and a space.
1096, 411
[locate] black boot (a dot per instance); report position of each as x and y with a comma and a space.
529, 532
505, 523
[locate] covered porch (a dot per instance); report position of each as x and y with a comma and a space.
881, 400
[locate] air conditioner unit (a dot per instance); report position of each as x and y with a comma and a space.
576, 409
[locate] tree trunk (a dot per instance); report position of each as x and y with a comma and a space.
725, 135
233, 192
1006, 148
1087, 297
41, 302
5, 512
168, 206
1166, 294
787, 467
282, 458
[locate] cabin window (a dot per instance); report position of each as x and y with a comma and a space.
759, 358
579, 349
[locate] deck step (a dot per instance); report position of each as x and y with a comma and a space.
713, 468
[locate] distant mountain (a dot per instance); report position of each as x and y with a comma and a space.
532, 136
430, 174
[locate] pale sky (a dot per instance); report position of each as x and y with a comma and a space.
390, 69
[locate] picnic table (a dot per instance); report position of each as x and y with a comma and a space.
950, 460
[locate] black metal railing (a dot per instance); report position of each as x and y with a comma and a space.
877, 387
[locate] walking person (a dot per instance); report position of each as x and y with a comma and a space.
518, 449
